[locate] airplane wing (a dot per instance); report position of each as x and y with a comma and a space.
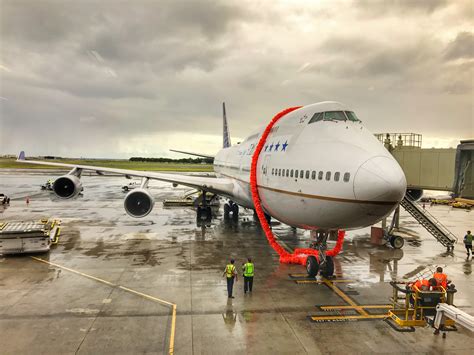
220, 186
191, 153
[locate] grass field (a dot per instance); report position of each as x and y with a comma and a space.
120, 164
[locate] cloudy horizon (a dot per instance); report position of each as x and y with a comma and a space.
118, 79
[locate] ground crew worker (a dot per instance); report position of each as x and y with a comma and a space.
468, 242
441, 279
424, 285
230, 273
248, 270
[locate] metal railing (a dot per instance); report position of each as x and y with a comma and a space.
430, 222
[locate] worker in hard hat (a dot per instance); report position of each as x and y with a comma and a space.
248, 270
441, 278
230, 274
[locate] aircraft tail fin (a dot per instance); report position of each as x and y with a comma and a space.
226, 135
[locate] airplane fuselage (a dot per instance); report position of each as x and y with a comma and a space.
319, 168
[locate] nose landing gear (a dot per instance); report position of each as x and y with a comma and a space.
324, 264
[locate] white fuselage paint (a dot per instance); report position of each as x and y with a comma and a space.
375, 186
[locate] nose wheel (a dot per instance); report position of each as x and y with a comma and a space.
323, 264
312, 266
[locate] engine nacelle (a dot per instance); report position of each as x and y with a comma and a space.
414, 194
67, 186
138, 203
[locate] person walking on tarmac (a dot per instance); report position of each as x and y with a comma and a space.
248, 270
468, 242
230, 273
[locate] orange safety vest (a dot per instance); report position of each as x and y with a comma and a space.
421, 283
442, 279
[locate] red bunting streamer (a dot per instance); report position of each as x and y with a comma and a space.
299, 256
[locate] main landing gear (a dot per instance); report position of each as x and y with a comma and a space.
231, 209
204, 212
325, 265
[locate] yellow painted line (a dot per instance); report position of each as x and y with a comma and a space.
144, 295
371, 306
369, 316
74, 271
319, 282
173, 327
346, 298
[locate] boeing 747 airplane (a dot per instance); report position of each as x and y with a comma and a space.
320, 169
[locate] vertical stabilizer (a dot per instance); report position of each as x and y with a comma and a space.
226, 135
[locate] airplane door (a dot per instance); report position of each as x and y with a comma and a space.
266, 169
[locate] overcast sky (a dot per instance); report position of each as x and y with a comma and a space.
135, 78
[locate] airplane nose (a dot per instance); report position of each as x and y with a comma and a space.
380, 179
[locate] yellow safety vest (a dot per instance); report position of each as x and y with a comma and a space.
230, 270
248, 270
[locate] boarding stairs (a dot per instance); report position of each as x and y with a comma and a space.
429, 222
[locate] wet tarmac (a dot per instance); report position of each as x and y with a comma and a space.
138, 265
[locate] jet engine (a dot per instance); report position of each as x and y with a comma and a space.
67, 186
414, 194
138, 202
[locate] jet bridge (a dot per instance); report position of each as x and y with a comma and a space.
446, 169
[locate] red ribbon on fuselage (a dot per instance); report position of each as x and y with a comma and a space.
299, 256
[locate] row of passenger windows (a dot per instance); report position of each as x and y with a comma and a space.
306, 174
334, 116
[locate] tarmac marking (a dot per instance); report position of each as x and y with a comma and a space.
144, 295
319, 282
345, 297
343, 318
371, 306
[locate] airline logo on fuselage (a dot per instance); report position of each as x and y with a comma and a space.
276, 146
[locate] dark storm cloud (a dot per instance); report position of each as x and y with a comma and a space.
115, 78
361, 57
461, 47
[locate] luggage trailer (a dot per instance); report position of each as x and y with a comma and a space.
21, 237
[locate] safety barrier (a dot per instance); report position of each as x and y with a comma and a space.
299, 256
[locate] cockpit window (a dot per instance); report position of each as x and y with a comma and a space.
352, 116
318, 116
334, 116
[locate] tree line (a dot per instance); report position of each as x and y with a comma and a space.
169, 160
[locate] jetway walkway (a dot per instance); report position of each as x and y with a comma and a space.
431, 224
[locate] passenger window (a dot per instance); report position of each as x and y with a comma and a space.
318, 116
307, 174
328, 175
336, 176
320, 175
347, 176
313, 175
291, 173
279, 172
296, 173
301, 174
272, 171
287, 172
